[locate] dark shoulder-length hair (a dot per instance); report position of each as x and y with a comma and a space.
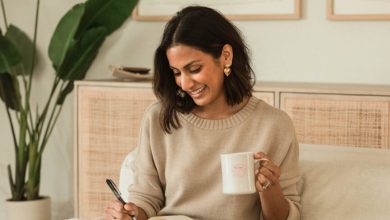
207, 30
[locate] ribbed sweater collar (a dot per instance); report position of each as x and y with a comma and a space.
225, 123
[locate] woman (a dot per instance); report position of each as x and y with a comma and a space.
203, 81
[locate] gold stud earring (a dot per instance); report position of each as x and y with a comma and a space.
227, 70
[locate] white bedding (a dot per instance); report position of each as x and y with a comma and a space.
344, 183
338, 183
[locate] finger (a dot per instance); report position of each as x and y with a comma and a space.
272, 167
264, 182
124, 215
118, 206
269, 175
259, 187
261, 183
275, 170
106, 214
260, 155
261, 179
111, 213
131, 209
117, 210
267, 185
258, 183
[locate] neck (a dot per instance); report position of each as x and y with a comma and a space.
219, 111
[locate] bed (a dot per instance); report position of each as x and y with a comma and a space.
343, 132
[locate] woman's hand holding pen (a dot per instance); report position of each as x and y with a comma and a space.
117, 210
267, 175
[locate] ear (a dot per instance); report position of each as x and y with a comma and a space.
227, 55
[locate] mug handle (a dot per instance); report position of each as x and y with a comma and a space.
256, 162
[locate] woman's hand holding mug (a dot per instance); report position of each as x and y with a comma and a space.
246, 173
267, 175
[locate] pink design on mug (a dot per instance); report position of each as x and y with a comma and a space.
239, 169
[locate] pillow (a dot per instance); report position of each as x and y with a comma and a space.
344, 182
126, 175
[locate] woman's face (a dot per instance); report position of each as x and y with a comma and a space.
198, 74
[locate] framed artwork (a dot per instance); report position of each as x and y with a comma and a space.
358, 9
157, 10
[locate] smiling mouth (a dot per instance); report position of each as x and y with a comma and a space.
197, 91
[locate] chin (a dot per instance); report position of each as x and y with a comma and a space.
201, 101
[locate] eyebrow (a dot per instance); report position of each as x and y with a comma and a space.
187, 65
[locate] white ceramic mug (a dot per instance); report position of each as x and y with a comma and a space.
238, 172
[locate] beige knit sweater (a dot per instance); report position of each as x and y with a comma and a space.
180, 173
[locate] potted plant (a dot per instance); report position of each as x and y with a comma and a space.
72, 49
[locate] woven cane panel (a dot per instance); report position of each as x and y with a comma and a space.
359, 121
108, 127
267, 97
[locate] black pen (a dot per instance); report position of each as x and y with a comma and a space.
117, 193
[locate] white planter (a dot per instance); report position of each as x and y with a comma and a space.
31, 210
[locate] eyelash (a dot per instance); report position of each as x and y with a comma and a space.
176, 73
197, 70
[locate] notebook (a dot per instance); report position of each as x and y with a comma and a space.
172, 217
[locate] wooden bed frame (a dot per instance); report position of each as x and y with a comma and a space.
108, 114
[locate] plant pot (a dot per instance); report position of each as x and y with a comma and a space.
32, 210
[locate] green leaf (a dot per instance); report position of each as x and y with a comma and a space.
64, 33
9, 91
108, 13
24, 44
9, 55
81, 55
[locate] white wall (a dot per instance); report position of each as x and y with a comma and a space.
312, 49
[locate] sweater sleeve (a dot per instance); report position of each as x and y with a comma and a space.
290, 178
146, 192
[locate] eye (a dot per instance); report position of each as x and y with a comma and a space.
176, 72
195, 69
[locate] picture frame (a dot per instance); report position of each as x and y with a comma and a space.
163, 10
358, 10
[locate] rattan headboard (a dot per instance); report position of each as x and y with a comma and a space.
108, 115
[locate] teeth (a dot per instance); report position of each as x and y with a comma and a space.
194, 92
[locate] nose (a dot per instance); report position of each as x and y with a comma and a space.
186, 82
